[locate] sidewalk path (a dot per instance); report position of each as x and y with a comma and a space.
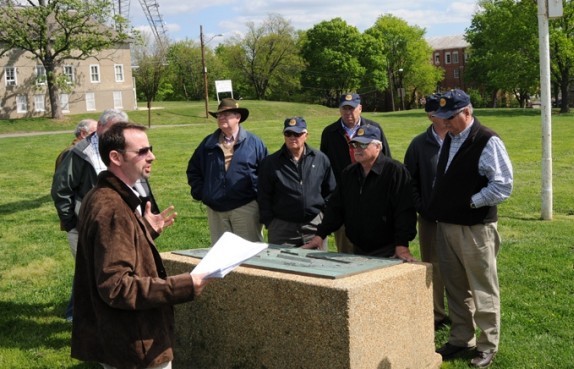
42, 133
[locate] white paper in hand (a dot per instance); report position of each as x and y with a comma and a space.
227, 253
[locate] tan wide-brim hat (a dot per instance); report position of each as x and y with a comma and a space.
232, 105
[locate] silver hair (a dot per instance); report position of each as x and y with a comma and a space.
112, 115
83, 126
377, 142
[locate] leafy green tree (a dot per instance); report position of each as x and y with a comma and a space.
55, 31
504, 52
150, 59
562, 53
404, 62
332, 51
266, 59
185, 71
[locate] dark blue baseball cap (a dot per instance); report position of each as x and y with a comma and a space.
295, 124
367, 133
432, 103
451, 103
350, 99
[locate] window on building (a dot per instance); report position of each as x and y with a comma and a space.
118, 100
455, 57
69, 74
456, 73
119, 71
90, 101
447, 59
40, 75
95, 73
65, 102
21, 104
10, 76
437, 58
39, 103
466, 56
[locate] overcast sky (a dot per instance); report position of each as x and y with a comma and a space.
228, 17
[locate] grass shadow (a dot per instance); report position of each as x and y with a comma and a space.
15, 207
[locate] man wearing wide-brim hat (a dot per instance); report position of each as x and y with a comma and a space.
222, 173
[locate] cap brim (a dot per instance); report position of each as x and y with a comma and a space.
348, 103
295, 129
363, 140
444, 114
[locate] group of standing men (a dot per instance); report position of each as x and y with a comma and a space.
454, 176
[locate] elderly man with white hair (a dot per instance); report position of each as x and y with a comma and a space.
373, 200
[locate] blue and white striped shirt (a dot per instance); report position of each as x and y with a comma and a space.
494, 163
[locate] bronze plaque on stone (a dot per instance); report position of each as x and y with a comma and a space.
307, 262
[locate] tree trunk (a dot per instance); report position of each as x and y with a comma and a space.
53, 93
564, 106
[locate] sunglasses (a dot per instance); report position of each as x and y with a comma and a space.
293, 134
141, 152
356, 145
455, 114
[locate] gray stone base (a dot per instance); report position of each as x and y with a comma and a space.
255, 319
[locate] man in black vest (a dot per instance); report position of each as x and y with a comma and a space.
474, 174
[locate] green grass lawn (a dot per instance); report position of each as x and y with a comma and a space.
536, 264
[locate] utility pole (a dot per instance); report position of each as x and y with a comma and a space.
205, 85
204, 69
546, 9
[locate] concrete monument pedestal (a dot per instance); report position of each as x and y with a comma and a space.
255, 318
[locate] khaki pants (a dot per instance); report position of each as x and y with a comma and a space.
467, 258
242, 221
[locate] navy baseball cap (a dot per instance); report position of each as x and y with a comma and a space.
367, 133
451, 103
295, 124
432, 103
350, 99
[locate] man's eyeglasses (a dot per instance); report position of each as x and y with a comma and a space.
356, 145
293, 134
141, 152
455, 114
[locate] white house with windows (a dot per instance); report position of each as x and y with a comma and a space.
94, 84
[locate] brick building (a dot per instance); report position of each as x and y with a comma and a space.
451, 54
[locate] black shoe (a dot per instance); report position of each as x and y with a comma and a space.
449, 351
438, 324
483, 359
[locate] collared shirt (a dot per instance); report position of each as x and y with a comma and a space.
94, 155
351, 131
494, 163
438, 139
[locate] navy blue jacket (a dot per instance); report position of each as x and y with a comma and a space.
226, 190
294, 193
